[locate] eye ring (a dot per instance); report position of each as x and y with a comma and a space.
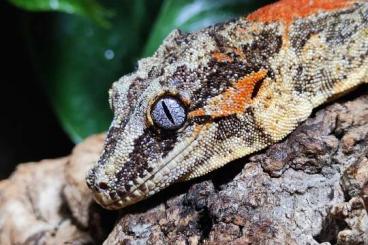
168, 112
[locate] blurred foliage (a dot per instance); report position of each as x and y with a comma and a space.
87, 8
78, 58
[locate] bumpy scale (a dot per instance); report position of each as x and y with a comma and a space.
240, 87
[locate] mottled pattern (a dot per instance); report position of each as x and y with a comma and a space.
245, 85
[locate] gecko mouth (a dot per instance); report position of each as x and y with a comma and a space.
155, 181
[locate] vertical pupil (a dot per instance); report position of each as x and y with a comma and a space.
167, 112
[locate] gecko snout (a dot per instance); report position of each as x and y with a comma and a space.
101, 189
111, 196
94, 184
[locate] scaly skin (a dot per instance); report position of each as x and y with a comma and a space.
246, 84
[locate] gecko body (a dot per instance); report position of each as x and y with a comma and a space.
213, 96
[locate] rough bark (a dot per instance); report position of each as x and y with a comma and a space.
310, 188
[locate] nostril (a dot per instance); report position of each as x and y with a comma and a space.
103, 185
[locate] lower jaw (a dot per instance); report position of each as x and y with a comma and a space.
111, 204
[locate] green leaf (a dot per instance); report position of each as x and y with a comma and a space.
87, 8
78, 62
192, 15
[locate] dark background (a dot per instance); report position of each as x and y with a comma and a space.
29, 130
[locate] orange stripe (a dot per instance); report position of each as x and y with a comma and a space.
234, 99
288, 10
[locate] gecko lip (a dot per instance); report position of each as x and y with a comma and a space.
141, 191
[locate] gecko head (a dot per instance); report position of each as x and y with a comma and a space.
183, 113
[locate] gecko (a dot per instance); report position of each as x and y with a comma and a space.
209, 97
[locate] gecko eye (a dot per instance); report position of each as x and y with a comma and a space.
168, 113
